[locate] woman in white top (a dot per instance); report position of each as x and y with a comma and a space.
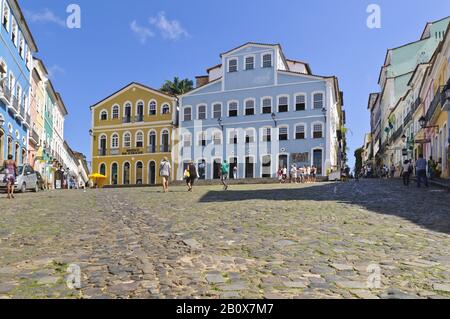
164, 172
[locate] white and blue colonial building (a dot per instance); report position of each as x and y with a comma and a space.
16, 49
260, 111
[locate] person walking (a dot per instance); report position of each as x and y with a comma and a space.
284, 174
392, 170
406, 172
164, 173
190, 175
235, 172
11, 173
224, 171
280, 175
421, 171
431, 167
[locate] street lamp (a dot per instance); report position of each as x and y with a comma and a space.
274, 118
219, 121
423, 123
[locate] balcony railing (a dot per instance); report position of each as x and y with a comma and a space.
115, 151
165, 149
408, 118
127, 119
397, 134
102, 152
139, 118
438, 100
28, 119
15, 104
35, 136
151, 149
416, 105
5, 93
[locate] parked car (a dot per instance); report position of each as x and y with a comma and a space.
26, 180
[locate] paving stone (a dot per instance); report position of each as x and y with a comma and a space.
342, 267
7, 287
442, 287
215, 279
295, 284
193, 243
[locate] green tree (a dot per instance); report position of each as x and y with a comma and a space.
358, 157
177, 87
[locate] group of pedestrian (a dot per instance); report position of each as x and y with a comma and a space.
421, 171
302, 174
434, 168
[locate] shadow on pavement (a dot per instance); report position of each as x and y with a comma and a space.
428, 208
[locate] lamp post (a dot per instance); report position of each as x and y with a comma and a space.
219, 121
274, 118
423, 123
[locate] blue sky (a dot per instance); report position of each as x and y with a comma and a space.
151, 41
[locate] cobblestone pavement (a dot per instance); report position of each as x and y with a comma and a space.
265, 241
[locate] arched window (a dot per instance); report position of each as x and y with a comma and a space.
318, 99
127, 140
266, 105
139, 173
140, 111
165, 138
317, 130
300, 132
126, 173
187, 113
127, 113
202, 138
152, 142
114, 174
250, 107
249, 136
14, 31
217, 110
201, 112
187, 140
233, 134
283, 133
233, 109
103, 115
283, 104
115, 141
152, 108
115, 112
266, 135
267, 60
165, 109
139, 139
217, 137
102, 169
102, 145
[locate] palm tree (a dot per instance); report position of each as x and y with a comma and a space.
177, 87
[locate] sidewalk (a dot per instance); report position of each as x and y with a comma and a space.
442, 183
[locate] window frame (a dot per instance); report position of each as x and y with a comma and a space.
102, 112
229, 65
184, 113
234, 137
150, 104
305, 96
237, 108
271, 104
213, 111
253, 64
264, 130
278, 103
115, 136
305, 129
313, 94
139, 133
245, 106
253, 130
124, 141
284, 126
115, 106
168, 107
314, 131
271, 60
198, 112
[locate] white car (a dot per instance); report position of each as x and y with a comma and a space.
26, 180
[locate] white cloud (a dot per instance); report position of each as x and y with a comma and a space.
170, 29
45, 16
55, 70
142, 33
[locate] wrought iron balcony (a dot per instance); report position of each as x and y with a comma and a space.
151, 149
127, 119
102, 152
397, 134
165, 149
34, 136
438, 100
139, 118
5, 94
408, 118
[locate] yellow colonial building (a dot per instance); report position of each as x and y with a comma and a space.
132, 131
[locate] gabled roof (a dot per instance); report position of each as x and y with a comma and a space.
130, 85
247, 44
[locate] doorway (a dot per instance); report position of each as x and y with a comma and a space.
283, 161
266, 166
126, 174
233, 164
318, 161
152, 173
216, 168
114, 171
139, 173
249, 167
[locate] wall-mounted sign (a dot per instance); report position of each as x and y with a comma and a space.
136, 151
